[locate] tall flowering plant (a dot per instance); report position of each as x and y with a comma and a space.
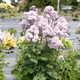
40, 48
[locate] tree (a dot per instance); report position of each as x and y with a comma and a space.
1, 1
42, 3
22, 4
73, 2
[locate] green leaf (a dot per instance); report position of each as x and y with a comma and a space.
39, 76
34, 60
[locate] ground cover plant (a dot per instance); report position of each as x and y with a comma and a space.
41, 56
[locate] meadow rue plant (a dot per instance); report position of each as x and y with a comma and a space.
34, 8
40, 52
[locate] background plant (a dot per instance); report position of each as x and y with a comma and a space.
2, 56
75, 19
12, 31
66, 43
69, 68
78, 29
20, 41
10, 41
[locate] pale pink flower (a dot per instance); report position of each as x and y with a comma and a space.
78, 25
61, 57
35, 38
48, 9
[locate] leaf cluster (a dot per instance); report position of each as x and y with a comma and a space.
78, 31
69, 68
34, 63
2, 64
75, 19
22, 33
12, 31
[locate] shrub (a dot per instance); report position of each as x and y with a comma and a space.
66, 43
12, 31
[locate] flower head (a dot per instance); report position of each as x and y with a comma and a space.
61, 57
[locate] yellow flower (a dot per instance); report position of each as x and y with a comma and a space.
10, 40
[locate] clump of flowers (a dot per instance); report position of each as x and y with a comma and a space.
10, 41
5, 6
78, 29
66, 43
46, 27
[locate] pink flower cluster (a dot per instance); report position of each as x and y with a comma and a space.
30, 17
33, 8
40, 28
55, 43
49, 10
32, 34
2, 38
60, 28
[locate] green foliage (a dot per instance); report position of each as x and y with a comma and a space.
66, 43
78, 31
2, 64
69, 2
34, 63
12, 31
79, 4
42, 3
20, 41
75, 19
69, 68
4, 16
22, 33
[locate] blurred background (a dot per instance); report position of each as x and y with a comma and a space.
15, 8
